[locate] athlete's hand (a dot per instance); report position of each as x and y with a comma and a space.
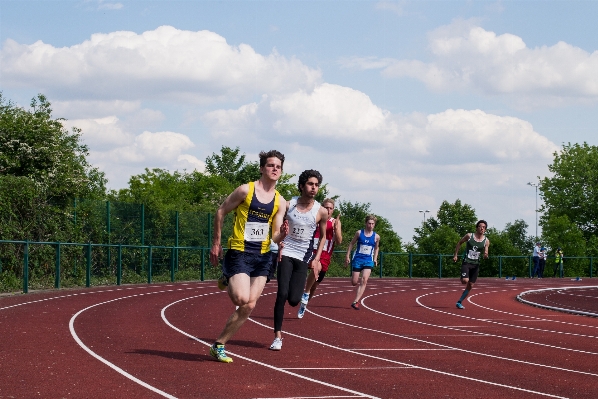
280, 247
347, 261
455, 258
284, 229
317, 267
485, 255
215, 254
337, 221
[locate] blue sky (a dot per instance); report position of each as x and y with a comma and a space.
400, 104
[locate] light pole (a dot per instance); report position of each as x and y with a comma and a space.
424, 212
536, 186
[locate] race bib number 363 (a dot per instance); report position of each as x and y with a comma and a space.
255, 231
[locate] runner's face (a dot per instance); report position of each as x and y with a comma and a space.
272, 169
311, 187
369, 226
481, 228
330, 208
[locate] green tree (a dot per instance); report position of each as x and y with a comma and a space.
516, 233
559, 231
38, 147
461, 218
572, 190
230, 165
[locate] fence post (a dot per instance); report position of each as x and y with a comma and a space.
172, 262
149, 265
203, 265
108, 252
176, 242
75, 228
381, 261
590, 267
209, 230
439, 266
57, 272
530, 266
410, 264
88, 271
142, 232
26, 267
119, 265
500, 266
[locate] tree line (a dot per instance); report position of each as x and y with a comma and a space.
44, 168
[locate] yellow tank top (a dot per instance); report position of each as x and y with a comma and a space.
253, 222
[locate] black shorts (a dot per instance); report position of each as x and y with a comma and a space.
470, 271
252, 264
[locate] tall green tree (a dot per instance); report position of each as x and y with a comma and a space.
572, 189
231, 165
459, 217
516, 233
36, 146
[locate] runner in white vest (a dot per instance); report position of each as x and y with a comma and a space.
304, 215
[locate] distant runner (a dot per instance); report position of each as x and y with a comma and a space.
470, 268
334, 235
365, 257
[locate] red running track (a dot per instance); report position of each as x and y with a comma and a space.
408, 340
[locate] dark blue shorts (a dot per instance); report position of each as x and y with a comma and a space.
252, 264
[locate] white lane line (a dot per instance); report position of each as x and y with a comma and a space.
527, 316
345, 368
404, 364
314, 397
507, 325
460, 349
402, 349
106, 362
361, 395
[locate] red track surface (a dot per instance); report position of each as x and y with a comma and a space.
408, 340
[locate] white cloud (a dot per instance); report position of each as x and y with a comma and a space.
164, 63
398, 7
468, 57
109, 6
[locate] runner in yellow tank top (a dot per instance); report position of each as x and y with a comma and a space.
257, 206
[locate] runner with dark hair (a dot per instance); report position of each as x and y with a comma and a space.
477, 243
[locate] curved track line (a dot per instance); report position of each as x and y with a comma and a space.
401, 363
520, 299
446, 346
361, 395
528, 316
106, 362
507, 325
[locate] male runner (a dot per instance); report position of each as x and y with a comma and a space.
364, 258
470, 268
334, 235
258, 207
304, 215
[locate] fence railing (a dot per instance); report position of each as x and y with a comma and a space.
103, 264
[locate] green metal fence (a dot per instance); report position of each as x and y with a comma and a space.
59, 264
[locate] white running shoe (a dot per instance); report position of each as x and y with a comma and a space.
301, 311
305, 298
276, 345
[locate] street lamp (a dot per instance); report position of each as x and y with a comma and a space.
536, 186
424, 212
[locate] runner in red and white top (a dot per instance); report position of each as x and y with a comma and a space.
334, 235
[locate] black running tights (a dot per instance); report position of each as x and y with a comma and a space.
291, 277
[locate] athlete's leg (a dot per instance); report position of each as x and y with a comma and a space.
310, 284
355, 277
297, 282
365, 274
285, 270
244, 292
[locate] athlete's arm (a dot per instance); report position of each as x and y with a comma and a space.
323, 219
229, 204
486, 248
461, 241
279, 228
353, 241
338, 233
376, 248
